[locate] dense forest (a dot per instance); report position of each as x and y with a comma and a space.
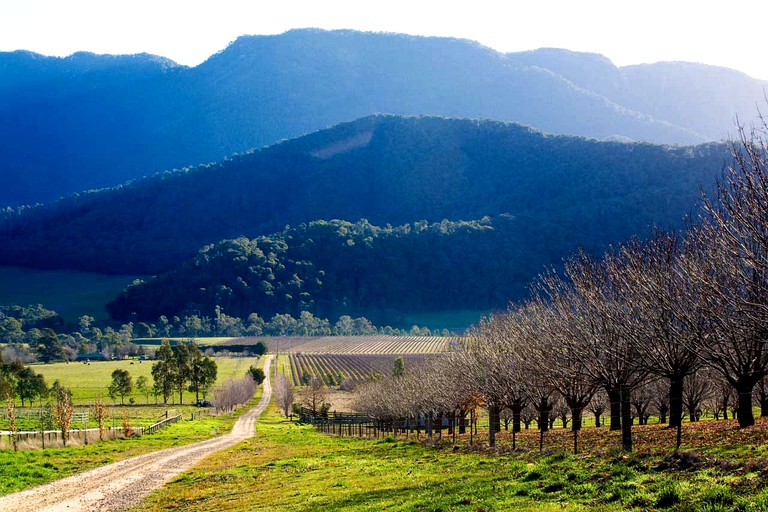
339, 268
88, 121
568, 191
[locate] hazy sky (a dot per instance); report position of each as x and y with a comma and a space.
730, 34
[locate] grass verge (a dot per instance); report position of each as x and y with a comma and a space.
23, 469
291, 467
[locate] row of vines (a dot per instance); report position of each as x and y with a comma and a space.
380, 344
345, 369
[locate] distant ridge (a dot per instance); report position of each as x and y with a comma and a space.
569, 191
89, 121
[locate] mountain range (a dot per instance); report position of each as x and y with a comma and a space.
568, 191
90, 121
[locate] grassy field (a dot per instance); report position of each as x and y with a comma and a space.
90, 381
69, 293
291, 467
23, 469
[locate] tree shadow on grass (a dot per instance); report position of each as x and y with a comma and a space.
435, 496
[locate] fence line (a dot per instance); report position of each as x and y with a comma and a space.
162, 423
359, 425
196, 415
33, 439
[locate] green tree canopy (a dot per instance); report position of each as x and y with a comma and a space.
122, 385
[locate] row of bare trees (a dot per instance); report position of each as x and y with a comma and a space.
233, 392
669, 311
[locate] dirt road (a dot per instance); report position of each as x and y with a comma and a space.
125, 484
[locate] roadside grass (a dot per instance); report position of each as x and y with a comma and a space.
71, 294
288, 466
283, 365
291, 467
24, 469
90, 381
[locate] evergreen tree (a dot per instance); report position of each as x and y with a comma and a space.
122, 385
163, 370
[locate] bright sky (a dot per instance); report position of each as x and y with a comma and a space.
730, 34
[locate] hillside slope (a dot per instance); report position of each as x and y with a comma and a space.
386, 169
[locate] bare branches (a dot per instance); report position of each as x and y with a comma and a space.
283, 393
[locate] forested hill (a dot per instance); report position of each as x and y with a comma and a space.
89, 121
385, 169
340, 268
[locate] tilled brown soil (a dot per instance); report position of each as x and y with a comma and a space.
122, 485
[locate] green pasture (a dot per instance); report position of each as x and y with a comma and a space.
71, 294
289, 466
90, 381
23, 469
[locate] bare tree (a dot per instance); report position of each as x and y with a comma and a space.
315, 397
696, 388
666, 318
233, 392
732, 266
642, 402
591, 304
597, 407
660, 399
761, 395
548, 333
283, 393
492, 360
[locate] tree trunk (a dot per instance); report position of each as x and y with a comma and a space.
462, 422
662, 415
626, 418
614, 397
471, 429
544, 415
517, 408
744, 414
675, 401
763, 405
494, 424
597, 419
576, 415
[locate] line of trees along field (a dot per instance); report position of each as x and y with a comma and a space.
26, 337
670, 309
